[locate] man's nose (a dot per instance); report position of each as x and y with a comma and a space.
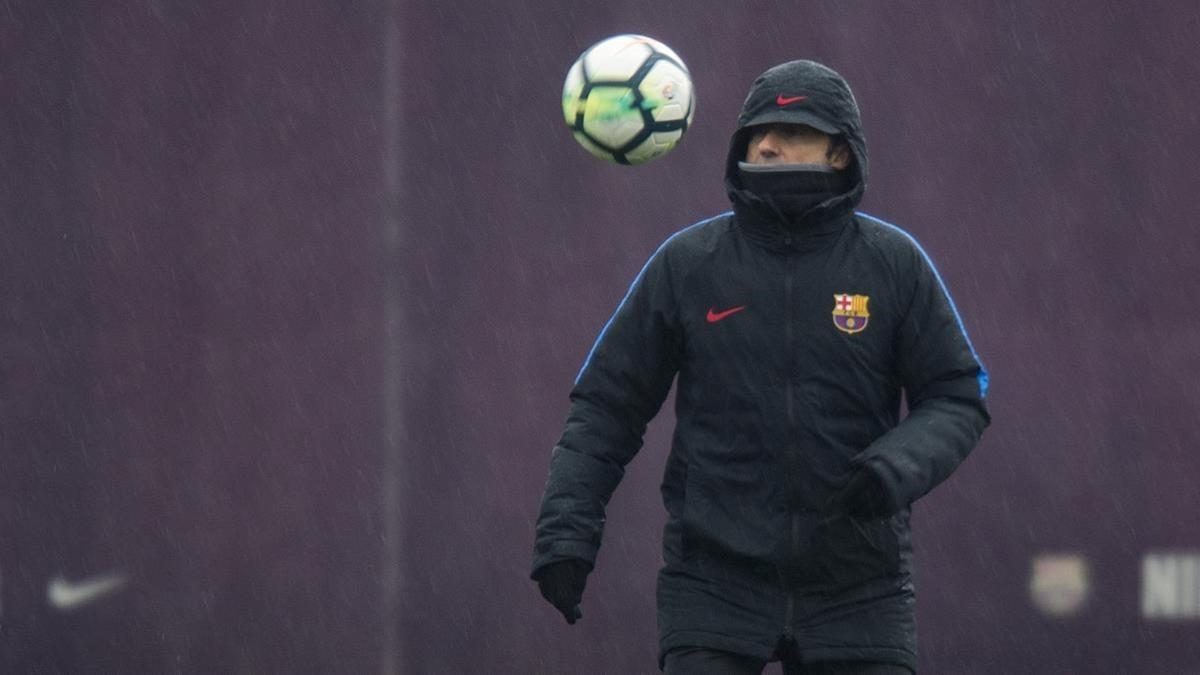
767, 145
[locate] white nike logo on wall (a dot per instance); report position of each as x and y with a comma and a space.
68, 596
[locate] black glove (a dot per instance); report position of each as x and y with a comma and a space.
561, 583
865, 496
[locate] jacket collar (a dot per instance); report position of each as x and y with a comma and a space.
817, 228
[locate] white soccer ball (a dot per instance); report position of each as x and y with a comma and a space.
628, 99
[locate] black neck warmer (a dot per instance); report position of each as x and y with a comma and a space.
793, 190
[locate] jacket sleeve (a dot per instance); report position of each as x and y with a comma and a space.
618, 391
944, 382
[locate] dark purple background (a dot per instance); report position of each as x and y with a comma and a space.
292, 296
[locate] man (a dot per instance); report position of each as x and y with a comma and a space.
794, 325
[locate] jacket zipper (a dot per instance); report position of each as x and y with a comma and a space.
791, 350
790, 617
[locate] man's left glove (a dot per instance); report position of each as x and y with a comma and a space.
865, 496
561, 583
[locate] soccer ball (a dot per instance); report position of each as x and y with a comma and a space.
628, 99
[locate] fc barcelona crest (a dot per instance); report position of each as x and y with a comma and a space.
850, 313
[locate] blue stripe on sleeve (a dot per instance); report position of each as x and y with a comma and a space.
983, 374
592, 352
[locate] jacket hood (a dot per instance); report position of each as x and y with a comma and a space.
801, 92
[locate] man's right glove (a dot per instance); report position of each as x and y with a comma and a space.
561, 583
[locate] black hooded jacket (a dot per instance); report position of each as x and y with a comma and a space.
793, 336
